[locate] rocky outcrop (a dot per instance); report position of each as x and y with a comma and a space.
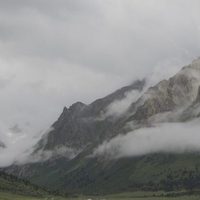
79, 126
179, 92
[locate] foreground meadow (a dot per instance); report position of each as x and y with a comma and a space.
125, 196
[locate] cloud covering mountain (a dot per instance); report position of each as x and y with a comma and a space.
161, 138
54, 53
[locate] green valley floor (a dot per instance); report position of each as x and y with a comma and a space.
123, 196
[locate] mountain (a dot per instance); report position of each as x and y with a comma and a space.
83, 125
82, 128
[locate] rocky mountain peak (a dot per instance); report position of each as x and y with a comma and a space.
73, 110
77, 105
76, 108
77, 125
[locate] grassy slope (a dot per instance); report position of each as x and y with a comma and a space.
148, 172
153, 172
11, 184
98, 176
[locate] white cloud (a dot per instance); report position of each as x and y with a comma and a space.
119, 107
166, 137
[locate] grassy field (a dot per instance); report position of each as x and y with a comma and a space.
9, 196
123, 196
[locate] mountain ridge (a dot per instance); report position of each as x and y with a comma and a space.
84, 117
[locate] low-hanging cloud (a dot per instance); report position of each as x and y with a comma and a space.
119, 107
166, 137
44, 155
26, 148
19, 145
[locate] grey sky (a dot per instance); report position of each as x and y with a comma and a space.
56, 52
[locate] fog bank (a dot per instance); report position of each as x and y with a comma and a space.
166, 137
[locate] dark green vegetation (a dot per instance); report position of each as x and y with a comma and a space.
13, 185
155, 172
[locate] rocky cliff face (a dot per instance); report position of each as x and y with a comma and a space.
79, 125
173, 95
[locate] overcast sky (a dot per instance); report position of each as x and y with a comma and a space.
56, 52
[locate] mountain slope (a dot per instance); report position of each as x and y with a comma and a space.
83, 125
82, 128
79, 126
98, 176
11, 184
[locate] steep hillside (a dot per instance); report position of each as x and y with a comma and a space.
98, 176
13, 185
83, 125
80, 125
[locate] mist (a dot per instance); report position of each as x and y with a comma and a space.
18, 146
119, 107
160, 138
